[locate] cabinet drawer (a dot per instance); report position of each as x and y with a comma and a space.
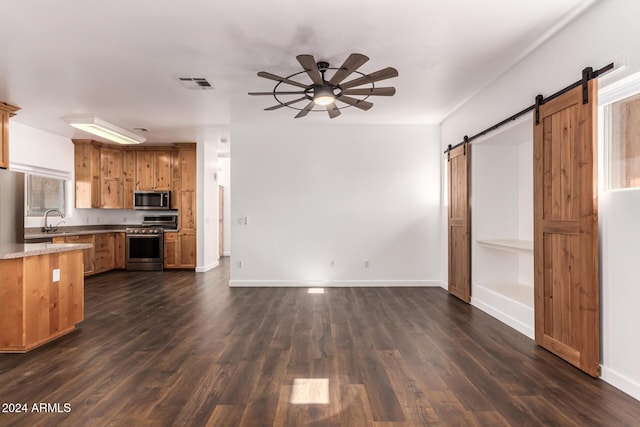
170, 236
103, 265
102, 242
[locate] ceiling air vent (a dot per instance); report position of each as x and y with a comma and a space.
192, 83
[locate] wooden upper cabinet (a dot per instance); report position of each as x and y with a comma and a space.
128, 178
88, 186
6, 111
153, 170
111, 178
187, 160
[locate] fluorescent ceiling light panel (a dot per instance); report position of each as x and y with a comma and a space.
103, 129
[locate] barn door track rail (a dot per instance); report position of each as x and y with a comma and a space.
587, 74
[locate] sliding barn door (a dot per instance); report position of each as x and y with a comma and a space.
459, 223
566, 229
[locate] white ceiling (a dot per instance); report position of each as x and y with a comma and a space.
119, 59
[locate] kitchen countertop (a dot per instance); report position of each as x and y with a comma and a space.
37, 233
22, 250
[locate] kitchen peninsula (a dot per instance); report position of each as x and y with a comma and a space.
42, 293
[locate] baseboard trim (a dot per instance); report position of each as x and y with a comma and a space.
619, 381
504, 318
334, 284
206, 268
444, 285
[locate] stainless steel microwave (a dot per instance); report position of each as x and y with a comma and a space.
151, 200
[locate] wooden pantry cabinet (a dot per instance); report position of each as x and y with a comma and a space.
6, 111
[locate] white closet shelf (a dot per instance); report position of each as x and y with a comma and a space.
509, 245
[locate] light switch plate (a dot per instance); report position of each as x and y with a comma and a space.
55, 277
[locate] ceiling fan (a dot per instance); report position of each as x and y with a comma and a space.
324, 93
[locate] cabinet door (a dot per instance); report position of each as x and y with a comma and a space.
111, 177
4, 139
95, 177
145, 174
104, 254
88, 254
187, 216
187, 249
170, 250
119, 250
187, 169
176, 177
70, 289
111, 194
128, 178
6, 111
37, 284
162, 161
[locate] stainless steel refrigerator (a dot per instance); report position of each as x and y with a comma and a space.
11, 207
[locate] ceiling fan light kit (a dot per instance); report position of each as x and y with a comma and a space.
325, 93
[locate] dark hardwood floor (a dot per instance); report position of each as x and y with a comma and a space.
178, 348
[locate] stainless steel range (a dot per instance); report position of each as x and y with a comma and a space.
145, 249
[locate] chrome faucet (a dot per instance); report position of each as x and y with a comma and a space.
49, 228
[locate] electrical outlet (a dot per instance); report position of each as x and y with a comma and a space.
332, 263
55, 276
366, 264
124, 219
240, 264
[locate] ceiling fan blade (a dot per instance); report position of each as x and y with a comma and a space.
305, 110
363, 105
351, 64
310, 66
381, 91
284, 104
333, 110
385, 73
281, 79
294, 92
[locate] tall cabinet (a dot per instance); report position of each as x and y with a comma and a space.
502, 225
180, 246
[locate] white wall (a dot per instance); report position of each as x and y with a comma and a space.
603, 33
224, 179
207, 202
313, 194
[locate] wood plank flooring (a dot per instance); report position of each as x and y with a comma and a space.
177, 348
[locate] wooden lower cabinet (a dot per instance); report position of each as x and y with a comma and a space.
187, 245
180, 249
170, 249
88, 254
34, 308
120, 250
107, 253
104, 252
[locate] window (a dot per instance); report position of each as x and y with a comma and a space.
622, 133
45, 193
